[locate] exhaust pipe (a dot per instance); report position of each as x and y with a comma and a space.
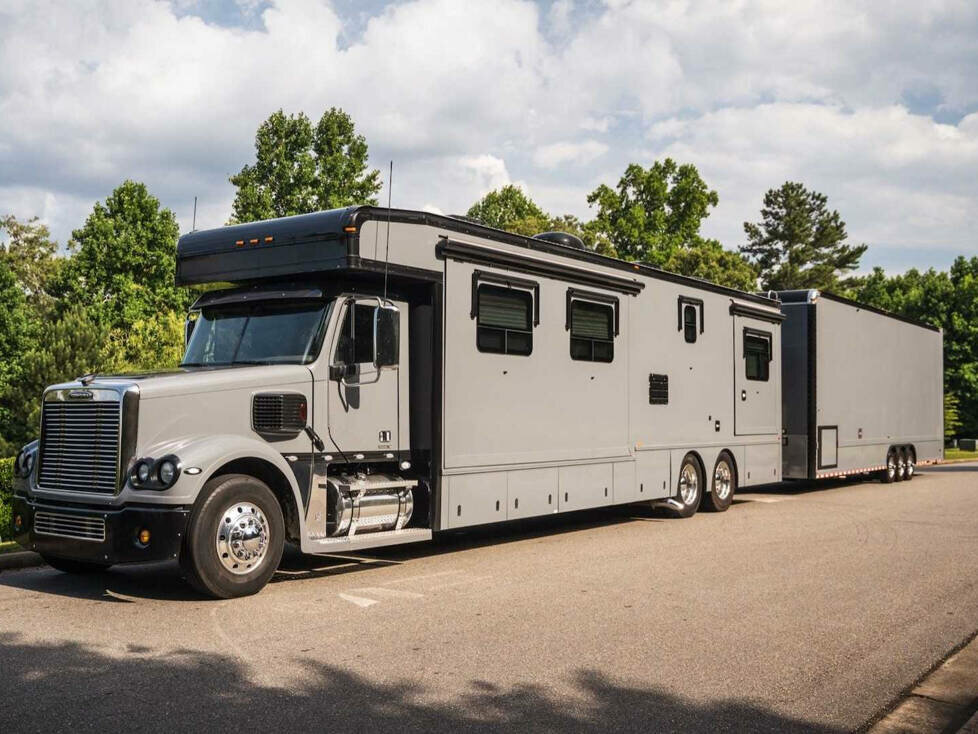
672, 503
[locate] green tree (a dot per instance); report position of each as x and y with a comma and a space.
653, 212
511, 209
123, 259
64, 349
14, 339
300, 168
952, 419
654, 216
799, 243
154, 343
30, 253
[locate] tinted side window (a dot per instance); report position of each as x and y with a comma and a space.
757, 355
592, 331
505, 321
689, 323
356, 342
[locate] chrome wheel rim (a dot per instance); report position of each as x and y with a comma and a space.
910, 467
891, 466
689, 485
722, 480
900, 466
242, 538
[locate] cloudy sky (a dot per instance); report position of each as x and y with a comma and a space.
874, 104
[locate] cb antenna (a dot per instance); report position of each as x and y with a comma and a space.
387, 247
193, 227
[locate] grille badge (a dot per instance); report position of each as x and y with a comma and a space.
81, 394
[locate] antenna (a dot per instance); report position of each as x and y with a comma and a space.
387, 247
193, 227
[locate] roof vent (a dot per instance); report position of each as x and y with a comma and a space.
561, 238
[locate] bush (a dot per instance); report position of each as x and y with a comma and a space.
6, 492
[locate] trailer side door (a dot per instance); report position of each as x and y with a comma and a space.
757, 377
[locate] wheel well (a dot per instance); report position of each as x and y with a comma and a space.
276, 481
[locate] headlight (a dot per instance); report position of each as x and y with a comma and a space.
142, 472
158, 474
24, 464
167, 472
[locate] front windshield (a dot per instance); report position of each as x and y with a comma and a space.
257, 333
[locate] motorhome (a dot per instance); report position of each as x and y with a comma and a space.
364, 377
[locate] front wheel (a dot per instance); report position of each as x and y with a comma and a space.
724, 484
67, 565
690, 487
235, 537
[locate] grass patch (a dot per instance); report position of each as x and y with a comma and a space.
8, 546
959, 454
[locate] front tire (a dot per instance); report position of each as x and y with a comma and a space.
689, 488
723, 485
68, 565
235, 537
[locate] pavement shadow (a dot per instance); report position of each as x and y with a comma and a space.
48, 686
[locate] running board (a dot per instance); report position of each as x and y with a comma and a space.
328, 546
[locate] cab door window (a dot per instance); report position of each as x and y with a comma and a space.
356, 341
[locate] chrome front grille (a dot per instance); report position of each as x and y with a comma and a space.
81, 527
80, 446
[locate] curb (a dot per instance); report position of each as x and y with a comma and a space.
944, 700
19, 559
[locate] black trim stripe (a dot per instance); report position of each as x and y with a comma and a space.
464, 252
805, 297
738, 309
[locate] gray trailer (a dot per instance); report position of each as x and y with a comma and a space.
862, 389
370, 376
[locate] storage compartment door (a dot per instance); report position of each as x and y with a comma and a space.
757, 382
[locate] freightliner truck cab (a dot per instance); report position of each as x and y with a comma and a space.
288, 419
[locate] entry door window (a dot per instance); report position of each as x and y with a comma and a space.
757, 355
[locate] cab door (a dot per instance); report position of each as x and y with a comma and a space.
363, 414
757, 371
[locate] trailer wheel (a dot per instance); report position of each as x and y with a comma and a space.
910, 463
235, 537
723, 485
690, 487
890, 472
901, 464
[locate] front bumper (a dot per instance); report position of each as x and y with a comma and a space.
113, 533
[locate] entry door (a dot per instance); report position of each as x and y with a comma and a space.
757, 370
362, 402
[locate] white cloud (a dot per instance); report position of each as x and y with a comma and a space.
469, 96
580, 154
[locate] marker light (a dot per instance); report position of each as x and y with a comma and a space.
144, 536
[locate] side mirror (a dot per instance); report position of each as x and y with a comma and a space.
387, 336
188, 328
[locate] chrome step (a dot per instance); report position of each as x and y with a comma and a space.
327, 546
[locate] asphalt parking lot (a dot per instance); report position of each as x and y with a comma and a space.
800, 609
